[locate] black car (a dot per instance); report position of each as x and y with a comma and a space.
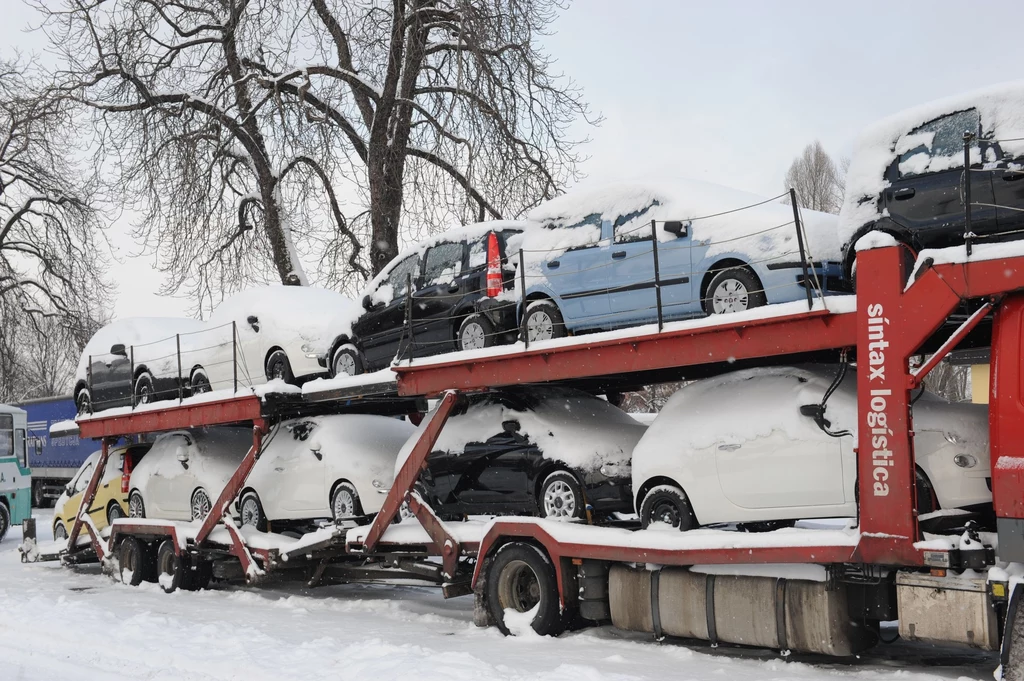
457, 281
537, 450
921, 200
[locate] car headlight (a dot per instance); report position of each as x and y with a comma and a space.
951, 438
378, 484
616, 470
309, 348
965, 460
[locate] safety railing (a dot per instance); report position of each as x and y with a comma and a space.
1010, 172
169, 368
670, 258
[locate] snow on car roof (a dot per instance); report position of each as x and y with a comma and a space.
1001, 108
144, 333
713, 210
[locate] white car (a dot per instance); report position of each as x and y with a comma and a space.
279, 332
736, 448
338, 467
185, 471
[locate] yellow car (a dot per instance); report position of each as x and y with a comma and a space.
111, 499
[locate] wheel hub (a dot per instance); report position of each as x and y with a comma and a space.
344, 365
730, 296
539, 326
472, 336
559, 500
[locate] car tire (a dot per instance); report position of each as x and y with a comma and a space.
131, 559
278, 366
543, 321
735, 289
60, 533
136, 506
200, 504
250, 511
346, 361
114, 511
667, 504
5, 521
561, 497
927, 502
83, 402
476, 332
145, 389
345, 502
200, 382
172, 571
521, 577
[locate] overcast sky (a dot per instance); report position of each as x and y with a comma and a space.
727, 91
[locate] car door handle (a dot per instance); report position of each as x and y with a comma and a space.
618, 255
1012, 175
904, 193
729, 448
553, 265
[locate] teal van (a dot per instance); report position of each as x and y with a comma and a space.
15, 476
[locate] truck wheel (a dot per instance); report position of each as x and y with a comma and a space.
521, 580
667, 504
172, 570
39, 499
131, 556
5, 521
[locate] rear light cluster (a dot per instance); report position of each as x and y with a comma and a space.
494, 283
126, 472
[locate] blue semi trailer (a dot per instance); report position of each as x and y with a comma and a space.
53, 461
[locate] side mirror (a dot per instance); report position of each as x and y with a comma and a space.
118, 349
68, 490
511, 426
367, 303
182, 455
816, 412
677, 227
254, 322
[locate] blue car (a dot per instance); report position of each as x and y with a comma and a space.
589, 265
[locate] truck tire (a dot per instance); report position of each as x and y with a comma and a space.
172, 570
39, 499
131, 558
521, 578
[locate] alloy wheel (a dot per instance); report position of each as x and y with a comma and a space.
473, 336
730, 296
344, 364
250, 511
135, 507
201, 505
559, 500
539, 326
344, 504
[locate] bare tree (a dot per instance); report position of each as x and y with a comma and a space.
50, 263
819, 181
284, 131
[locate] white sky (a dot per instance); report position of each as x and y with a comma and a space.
728, 91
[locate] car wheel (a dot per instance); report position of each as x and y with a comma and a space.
114, 511
667, 504
543, 321
131, 559
5, 521
136, 507
345, 502
734, 290
83, 402
521, 579
346, 361
171, 569
561, 497
39, 499
476, 332
251, 511
60, 533
926, 499
278, 366
200, 382
145, 390
201, 504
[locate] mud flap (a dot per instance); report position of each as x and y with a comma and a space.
1011, 654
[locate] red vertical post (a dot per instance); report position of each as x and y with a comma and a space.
90, 493
234, 486
885, 459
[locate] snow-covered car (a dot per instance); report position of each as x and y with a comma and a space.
541, 450
281, 333
338, 467
137, 354
111, 500
592, 265
185, 471
906, 175
455, 306
738, 448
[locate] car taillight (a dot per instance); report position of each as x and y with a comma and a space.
126, 474
124, 483
493, 266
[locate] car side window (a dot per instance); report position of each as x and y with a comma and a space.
478, 252
633, 226
443, 263
937, 145
399, 275
84, 478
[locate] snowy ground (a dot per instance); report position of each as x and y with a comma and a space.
58, 623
